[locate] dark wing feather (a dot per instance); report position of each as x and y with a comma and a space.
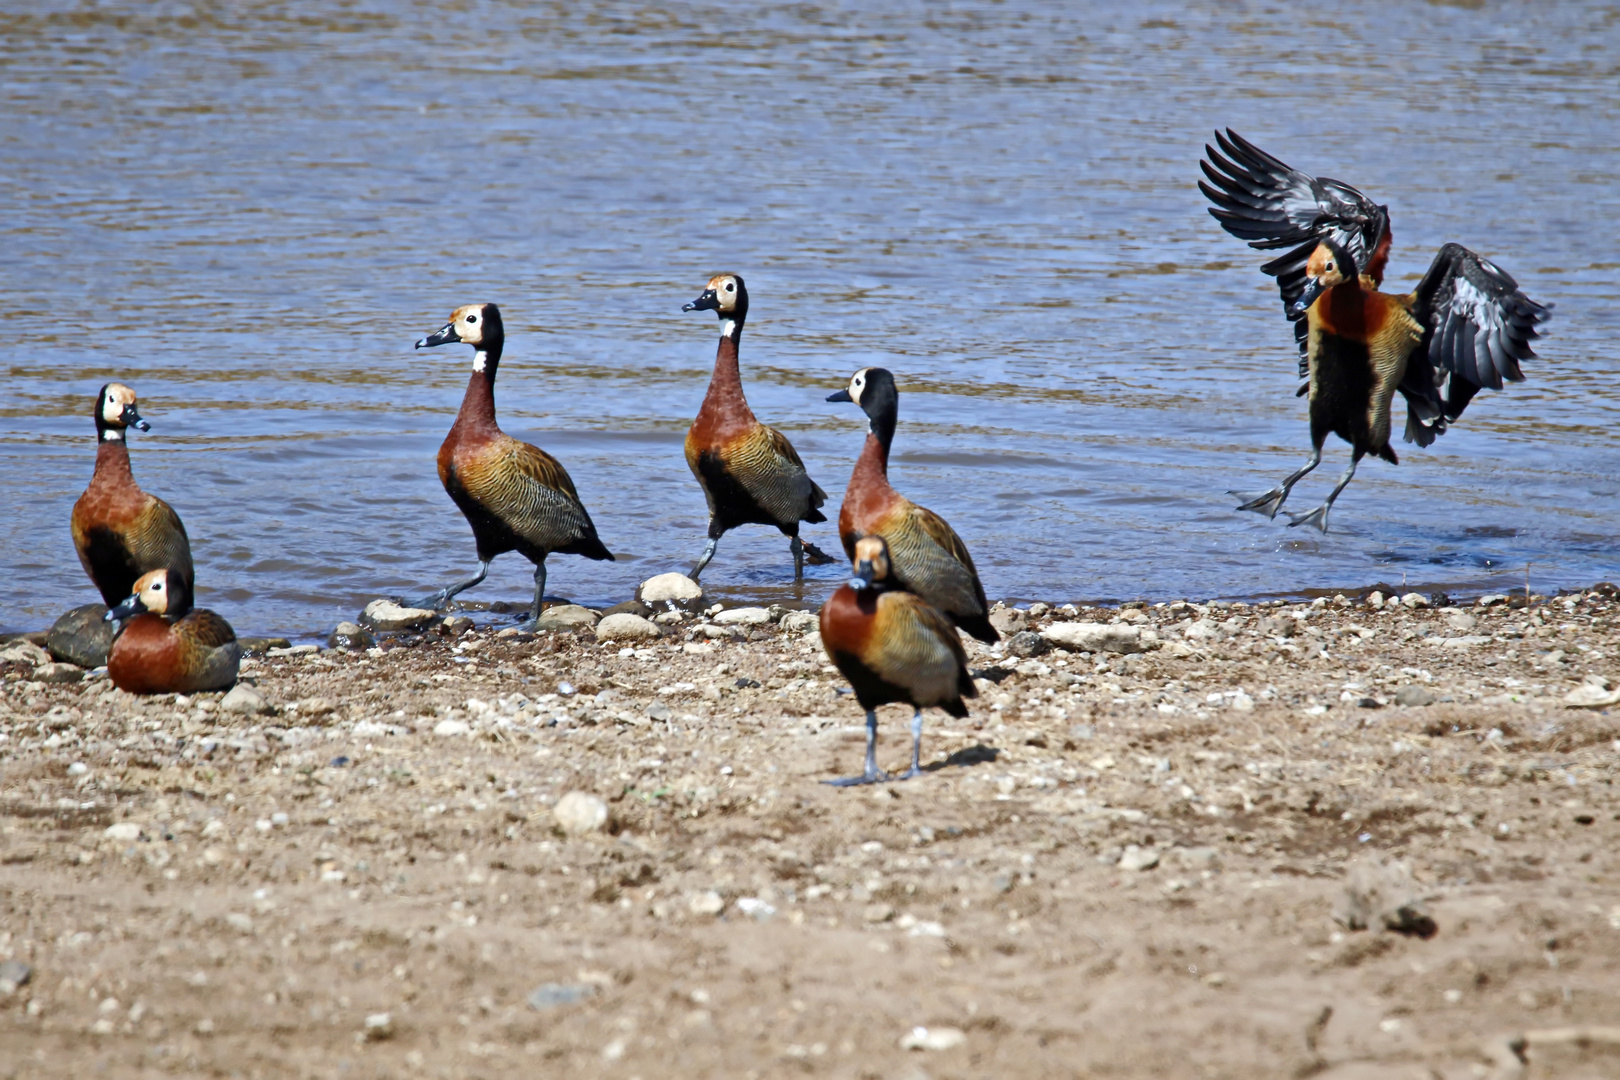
1477, 326
208, 629
1273, 205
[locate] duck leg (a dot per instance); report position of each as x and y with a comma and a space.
916, 748
1269, 503
708, 553
797, 547
539, 591
1318, 517
871, 775
444, 595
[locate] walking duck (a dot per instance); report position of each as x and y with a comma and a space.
925, 554
892, 646
1465, 327
119, 530
750, 473
515, 496
167, 646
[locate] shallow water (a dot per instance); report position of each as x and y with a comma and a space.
250, 216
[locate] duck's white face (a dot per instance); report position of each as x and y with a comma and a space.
153, 591
469, 320
116, 411
724, 287
871, 561
857, 384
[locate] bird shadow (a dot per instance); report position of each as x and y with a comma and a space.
967, 757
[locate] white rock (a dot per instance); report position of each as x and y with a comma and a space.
677, 587
800, 621
1094, 637
756, 908
579, 812
707, 903
1469, 641
624, 626
379, 1026
1138, 858
566, 617
124, 831
1594, 693
934, 1038
245, 700
1375, 600
1202, 630
1414, 600
24, 652
1242, 702
451, 728
387, 615
743, 616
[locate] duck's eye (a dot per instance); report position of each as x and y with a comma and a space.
157, 586
731, 286
472, 318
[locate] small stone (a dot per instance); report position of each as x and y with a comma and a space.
314, 707
755, 908
935, 1038
1461, 620
13, 974
743, 616
379, 1026
629, 607
1009, 620
554, 995
627, 627
455, 625
1375, 599
245, 700
1138, 858
1027, 643
878, 913
1414, 600
567, 618
1492, 599
58, 673
1413, 694
667, 587
349, 635
798, 622
706, 903
78, 768
1278, 626
242, 924
660, 712
1594, 693
579, 812
385, 614
81, 637
1095, 637
24, 652
124, 832
258, 646
449, 729
1381, 894
1242, 702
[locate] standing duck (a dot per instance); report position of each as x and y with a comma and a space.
1464, 328
892, 646
515, 496
120, 531
925, 554
750, 473
168, 647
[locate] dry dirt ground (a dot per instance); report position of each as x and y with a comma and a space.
1118, 866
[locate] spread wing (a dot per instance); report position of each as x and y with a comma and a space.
1273, 205
1477, 326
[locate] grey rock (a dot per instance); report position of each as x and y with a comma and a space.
257, 646
455, 625
348, 635
566, 617
1414, 600
743, 616
24, 652
383, 614
630, 607
13, 974
579, 812
666, 587
627, 627
1009, 620
1095, 637
245, 700
1028, 643
1138, 858
799, 622
1278, 626
661, 712
554, 995
1381, 894
82, 636
58, 673
449, 729
1461, 620
1412, 694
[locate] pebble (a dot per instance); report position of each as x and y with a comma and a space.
566, 617
451, 728
385, 614
455, 625
349, 635
1594, 693
553, 995
24, 652
1412, 694
707, 903
379, 1026
293, 650
58, 673
743, 616
755, 908
1414, 600
13, 974
1383, 894
579, 812
123, 831
1138, 858
1095, 637
660, 712
81, 637
245, 700
626, 627
1242, 702
252, 646
1375, 600
800, 621
629, 607
666, 587
1009, 620
1027, 643
935, 1038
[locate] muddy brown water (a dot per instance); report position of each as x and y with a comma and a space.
250, 214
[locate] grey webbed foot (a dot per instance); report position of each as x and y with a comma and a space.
875, 777
1267, 504
1317, 517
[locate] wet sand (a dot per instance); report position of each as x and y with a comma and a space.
1118, 865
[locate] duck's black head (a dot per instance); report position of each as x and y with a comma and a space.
874, 391
478, 325
727, 297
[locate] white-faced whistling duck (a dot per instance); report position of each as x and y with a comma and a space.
167, 646
925, 554
515, 496
892, 646
120, 531
1465, 327
750, 473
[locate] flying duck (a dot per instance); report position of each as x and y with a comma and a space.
167, 646
925, 554
515, 496
1465, 327
750, 473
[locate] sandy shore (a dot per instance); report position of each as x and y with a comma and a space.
1119, 865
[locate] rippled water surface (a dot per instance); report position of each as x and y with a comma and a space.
249, 212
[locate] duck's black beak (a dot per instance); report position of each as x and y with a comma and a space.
842, 395
1313, 289
127, 610
707, 302
864, 575
444, 335
131, 418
